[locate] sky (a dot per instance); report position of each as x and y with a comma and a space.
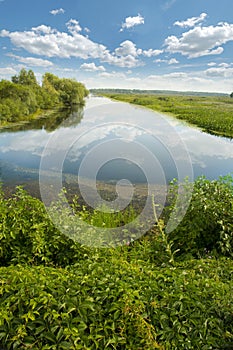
135, 44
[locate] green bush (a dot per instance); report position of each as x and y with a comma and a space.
207, 228
114, 304
57, 294
27, 235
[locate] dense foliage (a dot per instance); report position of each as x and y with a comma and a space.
23, 96
57, 294
212, 114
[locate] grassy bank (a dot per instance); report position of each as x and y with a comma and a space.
212, 114
167, 292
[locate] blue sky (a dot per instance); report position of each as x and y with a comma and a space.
142, 44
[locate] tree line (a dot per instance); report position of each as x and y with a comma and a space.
23, 95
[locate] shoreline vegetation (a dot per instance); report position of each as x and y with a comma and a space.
211, 113
162, 291
23, 100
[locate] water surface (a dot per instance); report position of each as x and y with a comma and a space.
109, 141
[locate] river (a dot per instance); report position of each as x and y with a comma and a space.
109, 142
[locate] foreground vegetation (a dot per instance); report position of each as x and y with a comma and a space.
23, 98
213, 114
164, 291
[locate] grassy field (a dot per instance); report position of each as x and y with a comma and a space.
213, 114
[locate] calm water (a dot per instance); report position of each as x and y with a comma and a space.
110, 141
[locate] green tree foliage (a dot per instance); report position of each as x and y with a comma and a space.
23, 96
16, 101
68, 91
25, 78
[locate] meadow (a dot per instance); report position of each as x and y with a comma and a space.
213, 114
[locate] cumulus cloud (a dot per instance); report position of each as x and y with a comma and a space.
32, 61
57, 12
49, 42
91, 67
221, 72
151, 52
127, 48
191, 22
131, 22
43, 29
201, 41
171, 61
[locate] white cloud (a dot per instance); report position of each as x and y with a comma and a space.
131, 22
7, 71
32, 61
115, 75
91, 67
126, 55
43, 40
73, 26
173, 61
127, 48
151, 52
211, 64
191, 22
126, 61
201, 41
222, 72
43, 29
223, 64
159, 60
57, 12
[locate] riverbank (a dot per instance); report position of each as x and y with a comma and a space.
213, 114
30, 118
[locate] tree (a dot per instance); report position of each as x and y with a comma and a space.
69, 91
25, 78
22, 96
231, 95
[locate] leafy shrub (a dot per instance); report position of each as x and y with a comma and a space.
137, 296
207, 227
27, 235
114, 304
